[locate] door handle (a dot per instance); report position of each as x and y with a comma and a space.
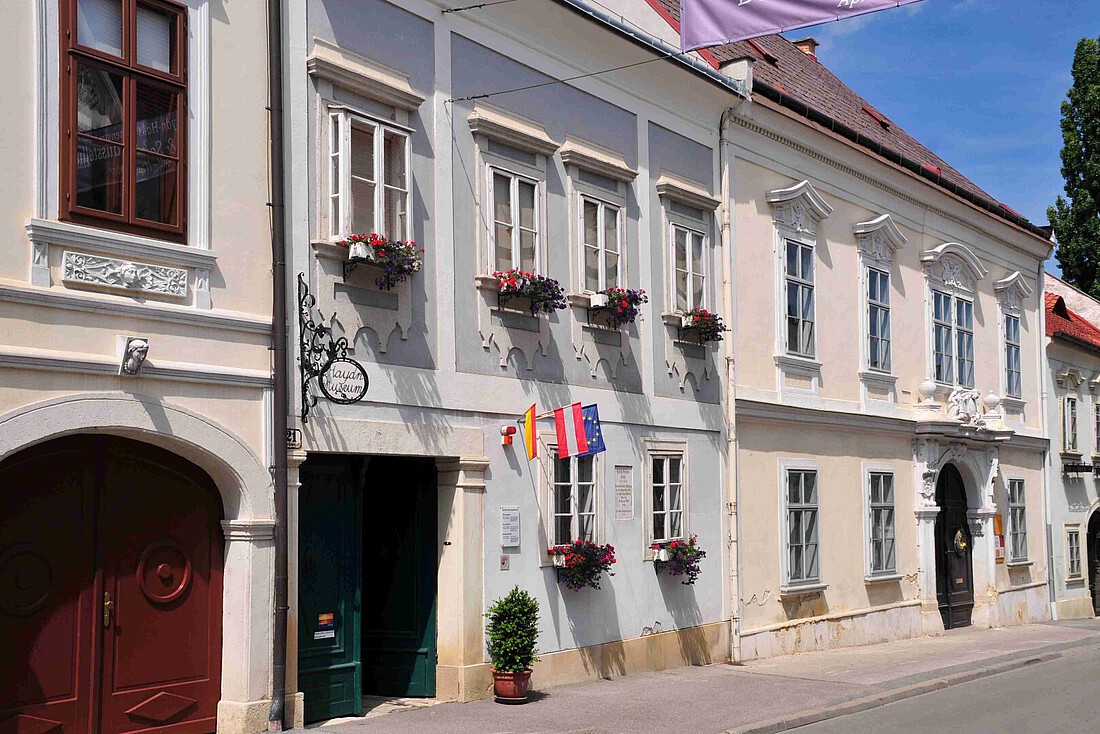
108, 605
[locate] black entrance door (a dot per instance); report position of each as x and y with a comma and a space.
1093, 541
954, 573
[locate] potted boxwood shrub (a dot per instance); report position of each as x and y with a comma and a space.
513, 629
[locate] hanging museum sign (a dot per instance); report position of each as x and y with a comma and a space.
323, 357
344, 381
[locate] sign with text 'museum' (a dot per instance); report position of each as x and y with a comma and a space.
344, 381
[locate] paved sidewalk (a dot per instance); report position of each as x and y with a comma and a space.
762, 696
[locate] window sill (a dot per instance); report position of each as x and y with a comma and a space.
1074, 580
1019, 564
1073, 455
882, 379
105, 241
1013, 405
798, 363
805, 590
882, 578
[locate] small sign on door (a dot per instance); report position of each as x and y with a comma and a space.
325, 626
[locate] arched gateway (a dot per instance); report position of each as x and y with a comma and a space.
110, 590
954, 550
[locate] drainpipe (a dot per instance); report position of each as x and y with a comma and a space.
733, 514
279, 362
1044, 400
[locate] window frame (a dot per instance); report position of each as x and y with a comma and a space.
884, 307
493, 169
667, 457
803, 284
1070, 425
804, 467
602, 205
655, 448
552, 484
961, 331
1013, 350
690, 231
955, 330
1096, 427
871, 506
1016, 501
346, 120
1070, 530
70, 53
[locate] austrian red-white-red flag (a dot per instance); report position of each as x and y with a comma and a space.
569, 422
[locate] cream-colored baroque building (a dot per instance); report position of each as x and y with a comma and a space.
135, 373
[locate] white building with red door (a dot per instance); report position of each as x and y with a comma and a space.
136, 515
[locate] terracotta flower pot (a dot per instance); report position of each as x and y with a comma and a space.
511, 687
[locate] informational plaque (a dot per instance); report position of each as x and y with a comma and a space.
624, 493
509, 527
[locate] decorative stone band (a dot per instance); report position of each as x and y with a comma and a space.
111, 272
251, 530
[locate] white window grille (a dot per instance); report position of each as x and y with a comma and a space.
668, 497
802, 533
1017, 520
883, 550
573, 498
878, 319
800, 299
368, 165
688, 268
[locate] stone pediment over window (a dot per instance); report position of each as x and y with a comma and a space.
954, 265
510, 129
1070, 378
595, 158
685, 191
1012, 291
799, 207
879, 238
359, 74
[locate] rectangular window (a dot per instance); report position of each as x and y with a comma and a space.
574, 499
368, 165
1096, 427
881, 503
800, 299
514, 239
688, 267
1073, 552
1012, 357
123, 115
668, 497
943, 336
601, 233
964, 340
878, 320
1017, 520
801, 500
1069, 424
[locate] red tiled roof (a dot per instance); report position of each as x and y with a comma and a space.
1063, 322
804, 79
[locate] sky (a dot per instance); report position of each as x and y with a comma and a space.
979, 82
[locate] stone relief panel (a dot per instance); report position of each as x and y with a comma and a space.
109, 272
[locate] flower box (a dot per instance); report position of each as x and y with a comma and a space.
661, 555
706, 325
679, 557
582, 563
620, 305
539, 293
597, 300
397, 260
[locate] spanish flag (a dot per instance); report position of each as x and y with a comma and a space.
529, 442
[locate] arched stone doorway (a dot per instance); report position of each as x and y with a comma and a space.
954, 551
111, 562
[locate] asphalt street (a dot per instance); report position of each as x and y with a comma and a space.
1058, 697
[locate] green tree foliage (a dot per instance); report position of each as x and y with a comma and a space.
513, 630
1076, 219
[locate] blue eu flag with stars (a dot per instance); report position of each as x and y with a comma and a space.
592, 431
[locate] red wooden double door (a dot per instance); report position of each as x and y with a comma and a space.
110, 590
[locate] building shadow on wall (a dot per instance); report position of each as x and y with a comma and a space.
683, 607
593, 619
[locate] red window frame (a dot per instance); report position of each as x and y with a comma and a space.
126, 66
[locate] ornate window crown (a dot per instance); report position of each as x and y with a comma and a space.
954, 265
879, 238
799, 207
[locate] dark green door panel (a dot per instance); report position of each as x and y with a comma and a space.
399, 577
329, 512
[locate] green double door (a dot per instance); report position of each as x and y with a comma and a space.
366, 581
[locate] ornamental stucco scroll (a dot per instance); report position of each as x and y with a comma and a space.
79, 267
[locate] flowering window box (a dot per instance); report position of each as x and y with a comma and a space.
701, 325
532, 292
396, 259
616, 307
679, 557
582, 563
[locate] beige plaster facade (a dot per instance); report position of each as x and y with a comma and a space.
71, 295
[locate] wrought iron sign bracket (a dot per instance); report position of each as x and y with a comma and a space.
324, 358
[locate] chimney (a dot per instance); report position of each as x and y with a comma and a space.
807, 46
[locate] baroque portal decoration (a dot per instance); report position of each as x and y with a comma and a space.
114, 273
323, 357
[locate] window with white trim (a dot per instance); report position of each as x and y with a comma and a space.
515, 231
601, 235
1012, 356
1069, 424
688, 255
799, 275
878, 319
1017, 520
573, 498
667, 505
368, 177
1096, 428
881, 506
801, 537
1073, 553
953, 337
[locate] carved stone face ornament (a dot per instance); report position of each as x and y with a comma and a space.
136, 352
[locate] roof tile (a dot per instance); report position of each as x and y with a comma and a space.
1062, 321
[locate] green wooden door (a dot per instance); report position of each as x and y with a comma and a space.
328, 588
399, 577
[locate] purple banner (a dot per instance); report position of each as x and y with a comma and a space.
714, 22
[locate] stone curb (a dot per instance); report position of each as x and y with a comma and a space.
812, 716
